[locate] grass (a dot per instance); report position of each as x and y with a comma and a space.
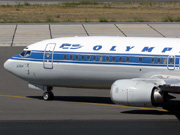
91, 12
103, 19
171, 19
75, 4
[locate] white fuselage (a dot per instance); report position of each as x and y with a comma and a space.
95, 62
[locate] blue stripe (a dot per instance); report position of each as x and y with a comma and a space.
92, 53
37, 56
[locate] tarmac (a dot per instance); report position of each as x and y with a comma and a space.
26, 34
74, 107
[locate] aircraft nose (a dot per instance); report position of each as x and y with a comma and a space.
7, 65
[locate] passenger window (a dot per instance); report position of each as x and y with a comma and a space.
70, 57
140, 60
82, 57
165, 60
107, 58
77, 57
171, 60
158, 60
120, 59
127, 59
88, 58
152, 60
100, 58
94, 58
65, 57
113, 58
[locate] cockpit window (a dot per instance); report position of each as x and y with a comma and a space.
25, 53
28, 53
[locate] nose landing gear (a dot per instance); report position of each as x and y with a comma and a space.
48, 95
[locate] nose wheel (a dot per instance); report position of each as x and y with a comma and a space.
48, 95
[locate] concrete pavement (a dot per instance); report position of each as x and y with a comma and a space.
26, 34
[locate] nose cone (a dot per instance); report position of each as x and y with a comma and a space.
7, 65
11, 66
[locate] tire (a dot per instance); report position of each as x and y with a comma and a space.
51, 95
48, 96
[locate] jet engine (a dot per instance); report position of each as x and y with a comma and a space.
137, 93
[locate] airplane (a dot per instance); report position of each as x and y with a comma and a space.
139, 71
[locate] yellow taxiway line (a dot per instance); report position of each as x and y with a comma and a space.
122, 106
15, 96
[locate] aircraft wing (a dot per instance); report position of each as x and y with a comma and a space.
166, 83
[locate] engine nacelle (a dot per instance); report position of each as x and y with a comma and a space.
136, 93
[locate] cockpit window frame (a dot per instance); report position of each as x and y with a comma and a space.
26, 53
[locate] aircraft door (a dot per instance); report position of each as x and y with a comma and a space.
171, 61
48, 56
27, 68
